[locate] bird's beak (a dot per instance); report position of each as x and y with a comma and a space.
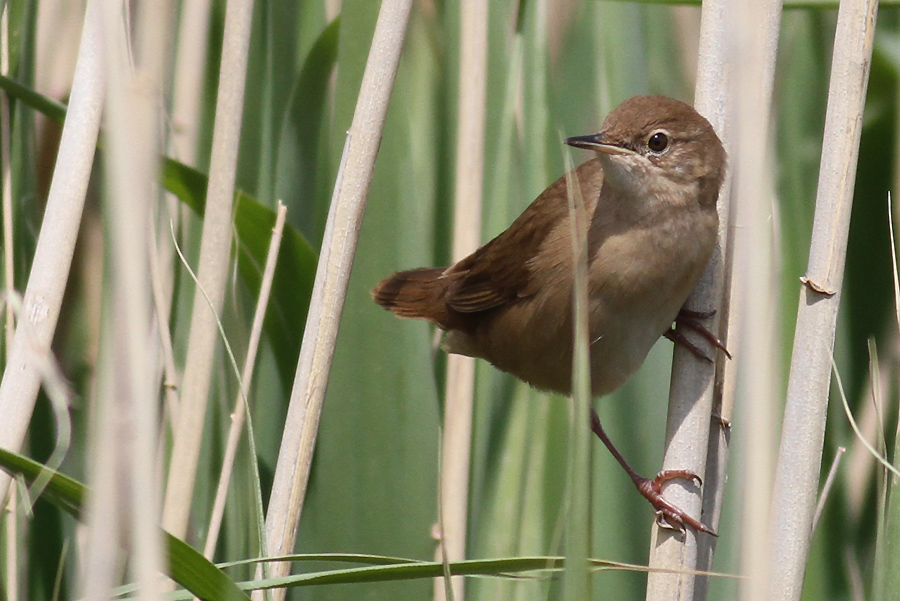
595, 142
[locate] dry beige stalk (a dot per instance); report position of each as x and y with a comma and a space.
212, 271
803, 429
330, 287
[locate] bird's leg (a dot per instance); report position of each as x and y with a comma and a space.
667, 514
691, 319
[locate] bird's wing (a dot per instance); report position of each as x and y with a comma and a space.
500, 271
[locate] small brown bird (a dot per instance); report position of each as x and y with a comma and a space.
651, 196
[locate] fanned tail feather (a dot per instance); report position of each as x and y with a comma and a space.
415, 294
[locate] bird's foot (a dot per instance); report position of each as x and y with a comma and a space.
678, 338
667, 514
690, 319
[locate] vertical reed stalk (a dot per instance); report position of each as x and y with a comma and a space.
330, 288
803, 429
10, 517
124, 430
239, 415
576, 579
187, 87
457, 433
694, 439
752, 327
692, 385
56, 243
212, 271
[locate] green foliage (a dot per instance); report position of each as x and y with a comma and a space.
187, 567
373, 486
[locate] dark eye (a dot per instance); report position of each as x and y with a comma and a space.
658, 142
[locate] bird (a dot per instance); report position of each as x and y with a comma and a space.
650, 194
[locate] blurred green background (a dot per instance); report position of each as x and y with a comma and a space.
374, 480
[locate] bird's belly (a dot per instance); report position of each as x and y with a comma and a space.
623, 331
618, 352
632, 303
540, 353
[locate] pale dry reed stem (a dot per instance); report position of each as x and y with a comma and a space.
332, 276
826, 488
167, 376
56, 242
123, 467
239, 415
58, 392
457, 433
695, 440
161, 287
691, 389
712, 100
141, 112
861, 471
187, 106
10, 513
187, 90
212, 271
576, 579
11, 551
191, 60
753, 318
803, 429
6, 175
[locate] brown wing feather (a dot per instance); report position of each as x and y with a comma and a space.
499, 271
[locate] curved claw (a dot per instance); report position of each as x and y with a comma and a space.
667, 475
668, 515
678, 338
689, 319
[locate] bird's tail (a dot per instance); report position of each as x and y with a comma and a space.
416, 294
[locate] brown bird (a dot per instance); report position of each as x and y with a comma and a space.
651, 196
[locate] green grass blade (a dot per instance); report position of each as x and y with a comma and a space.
187, 567
303, 181
395, 569
46, 106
